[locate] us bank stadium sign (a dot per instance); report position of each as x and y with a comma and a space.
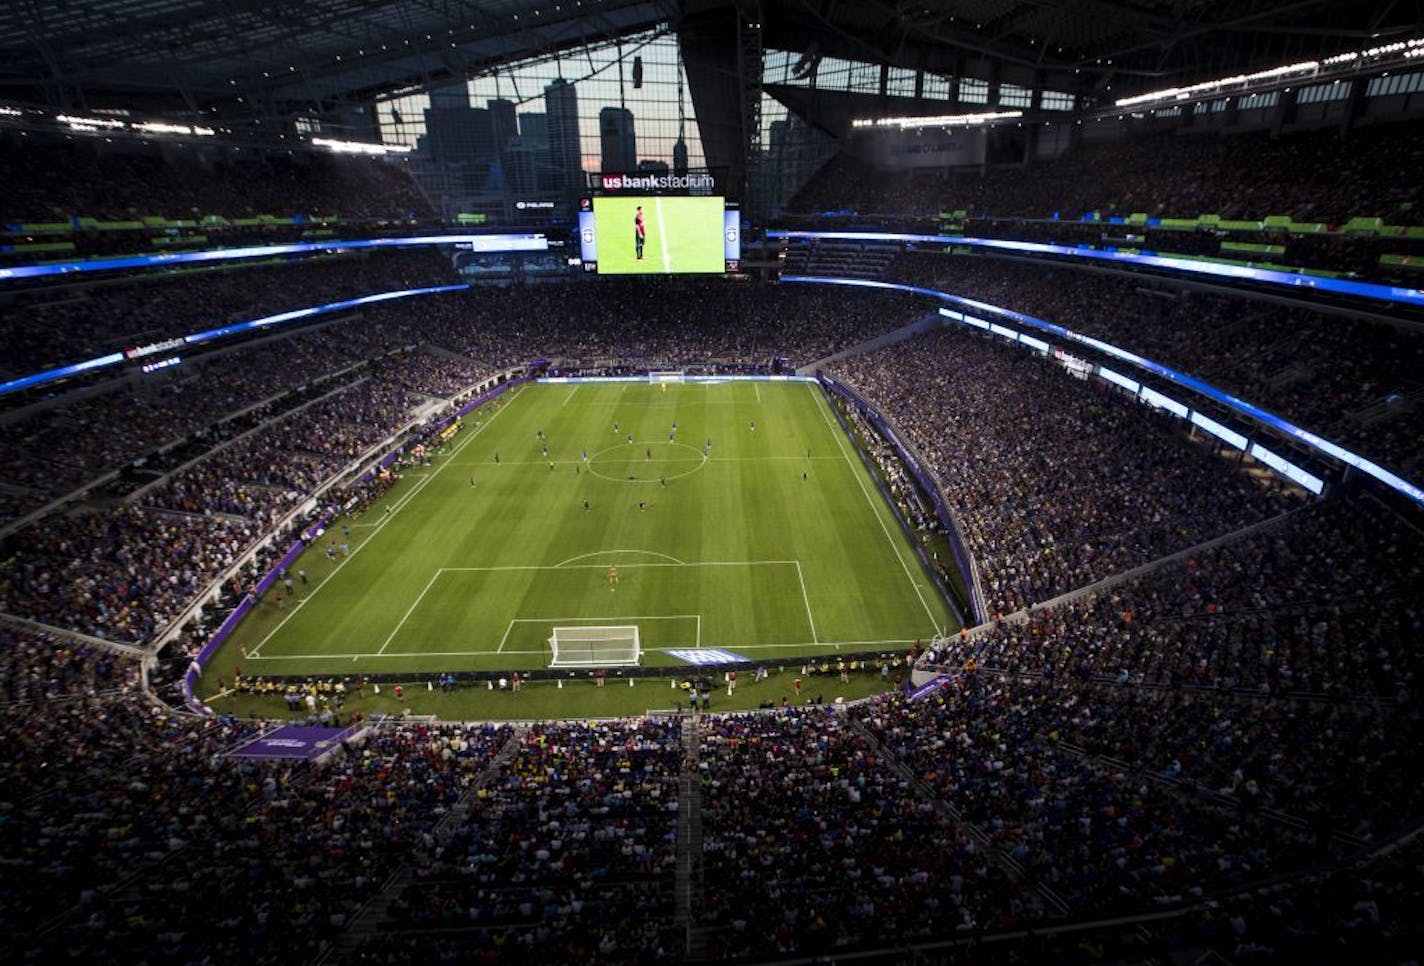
653, 182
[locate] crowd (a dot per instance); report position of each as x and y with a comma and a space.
1016, 794
1323, 604
812, 842
1054, 482
568, 855
52, 450
129, 835
47, 329
56, 180
1102, 835
1313, 176
38, 669
121, 574
1354, 381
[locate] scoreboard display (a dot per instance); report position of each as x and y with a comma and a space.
659, 235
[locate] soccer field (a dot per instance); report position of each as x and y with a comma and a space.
771, 543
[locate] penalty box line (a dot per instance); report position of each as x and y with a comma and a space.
733, 646
811, 620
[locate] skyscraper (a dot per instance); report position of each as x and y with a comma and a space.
617, 139
565, 152
503, 120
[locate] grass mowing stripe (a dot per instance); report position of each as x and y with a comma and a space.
396, 507
521, 545
824, 406
344, 561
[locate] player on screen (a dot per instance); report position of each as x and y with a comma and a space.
640, 232
612, 578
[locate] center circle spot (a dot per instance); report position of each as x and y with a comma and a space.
646, 462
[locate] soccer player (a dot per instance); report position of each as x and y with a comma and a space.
640, 232
642, 504
612, 578
585, 504
753, 425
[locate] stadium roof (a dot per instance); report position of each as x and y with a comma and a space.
279, 57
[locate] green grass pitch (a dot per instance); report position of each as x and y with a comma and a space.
774, 545
683, 235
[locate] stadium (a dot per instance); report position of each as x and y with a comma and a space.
661, 481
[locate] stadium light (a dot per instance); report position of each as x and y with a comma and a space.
1412, 48
942, 120
1407, 48
359, 147
1211, 86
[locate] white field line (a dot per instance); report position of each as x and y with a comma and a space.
568, 397
603, 553
662, 235
875, 506
410, 610
708, 647
611, 621
629, 566
377, 527
806, 597
757, 387
342, 563
665, 459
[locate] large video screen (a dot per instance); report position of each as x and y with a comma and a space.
659, 235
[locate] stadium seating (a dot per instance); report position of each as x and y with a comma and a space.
1353, 381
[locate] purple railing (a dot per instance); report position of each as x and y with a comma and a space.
926, 481
220, 636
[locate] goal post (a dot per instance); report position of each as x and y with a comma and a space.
666, 376
603, 646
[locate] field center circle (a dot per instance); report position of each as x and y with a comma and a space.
631, 460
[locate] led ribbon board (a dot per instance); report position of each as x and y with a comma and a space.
1254, 412
477, 243
1338, 286
114, 358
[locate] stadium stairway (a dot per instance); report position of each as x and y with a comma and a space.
925, 323
689, 840
372, 916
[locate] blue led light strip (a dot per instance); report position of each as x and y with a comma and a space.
478, 243
114, 358
1256, 413
1339, 286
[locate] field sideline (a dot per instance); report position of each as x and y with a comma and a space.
772, 542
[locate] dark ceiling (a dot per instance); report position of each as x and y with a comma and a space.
283, 57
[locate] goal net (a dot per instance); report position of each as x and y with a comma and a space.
595, 646
678, 376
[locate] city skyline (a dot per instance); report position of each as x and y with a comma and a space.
599, 78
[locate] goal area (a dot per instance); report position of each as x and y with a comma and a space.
606, 646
